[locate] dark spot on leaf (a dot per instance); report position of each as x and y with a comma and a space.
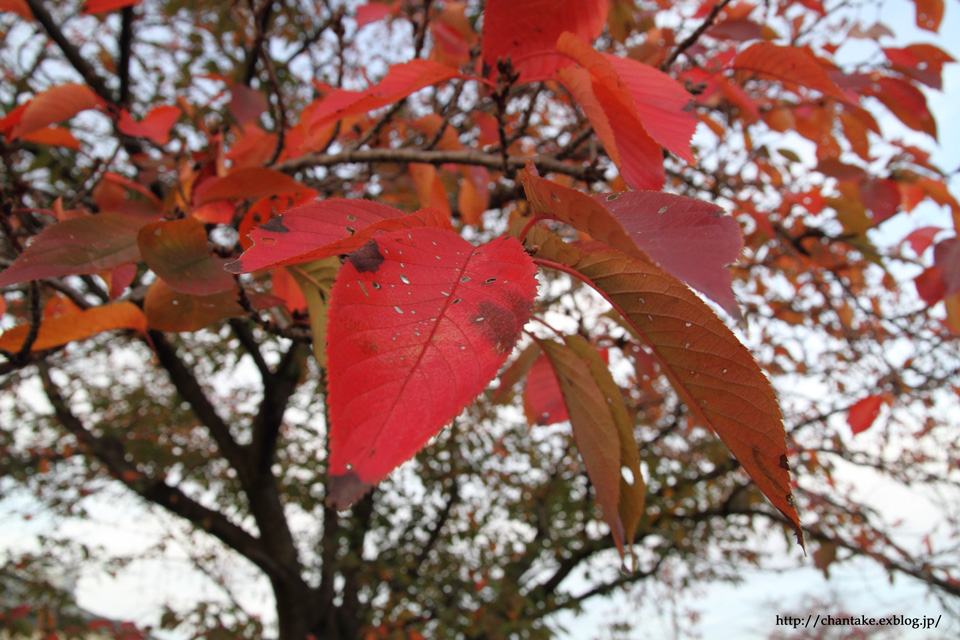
343, 491
783, 462
502, 320
275, 225
612, 196
366, 259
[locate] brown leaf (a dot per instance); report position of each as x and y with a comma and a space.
709, 368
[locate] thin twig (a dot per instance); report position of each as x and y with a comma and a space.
690, 40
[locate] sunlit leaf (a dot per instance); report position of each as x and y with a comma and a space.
663, 105
929, 14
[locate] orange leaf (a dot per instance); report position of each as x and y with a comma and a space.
155, 125
253, 182
862, 414
169, 310
707, 365
929, 14
791, 66
18, 7
54, 136
430, 190
55, 105
59, 330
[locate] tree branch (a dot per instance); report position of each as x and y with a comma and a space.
277, 389
188, 387
468, 156
125, 44
77, 61
112, 454
690, 40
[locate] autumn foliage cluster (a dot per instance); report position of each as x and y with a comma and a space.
257, 256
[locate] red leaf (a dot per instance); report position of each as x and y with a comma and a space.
881, 197
76, 246
906, 102
662, 104
791, 66
327, 228
54, 105
542, 398
401, 80
862, 414
688, 238
59, 330
420, 321
526, 31
155, 125
921, 239
246, 104
611, 109
374, 11
99, 6
12, 117
946, 255
252, 182
930, 285
177, 251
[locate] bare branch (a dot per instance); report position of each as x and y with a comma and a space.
468, 156
77, 61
